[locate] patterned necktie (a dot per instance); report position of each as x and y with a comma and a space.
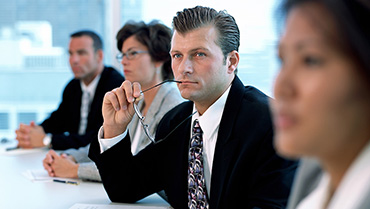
197, 192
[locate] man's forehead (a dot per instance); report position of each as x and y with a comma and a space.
197, 38
81, 42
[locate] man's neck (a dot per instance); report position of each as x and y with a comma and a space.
202, 106
88, 80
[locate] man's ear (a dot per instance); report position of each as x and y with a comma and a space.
99, 55
232, 61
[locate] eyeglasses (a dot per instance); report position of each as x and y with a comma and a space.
129, 54
141, 117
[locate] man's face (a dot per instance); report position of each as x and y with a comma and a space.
199, 63
84, 61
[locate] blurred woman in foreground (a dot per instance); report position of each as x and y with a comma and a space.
322, 106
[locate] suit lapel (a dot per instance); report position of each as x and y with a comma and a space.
98, 96
225, 146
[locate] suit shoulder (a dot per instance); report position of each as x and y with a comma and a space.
254, 95
179, 110
72, 85
113, 74
111, 78
256, 104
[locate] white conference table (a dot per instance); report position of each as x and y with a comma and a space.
18, 192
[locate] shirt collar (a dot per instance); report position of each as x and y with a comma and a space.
355, 183
351, 191
211, 118
92, 86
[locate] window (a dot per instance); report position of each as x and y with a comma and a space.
34, 37
4, 121
26, 117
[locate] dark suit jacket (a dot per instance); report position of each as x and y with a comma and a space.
64, 122
246, 173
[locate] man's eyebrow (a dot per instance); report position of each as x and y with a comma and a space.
81, 50
174, 51
199, 48
190, 51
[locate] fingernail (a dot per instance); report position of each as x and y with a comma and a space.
124, 107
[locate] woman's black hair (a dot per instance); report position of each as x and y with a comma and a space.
352, 21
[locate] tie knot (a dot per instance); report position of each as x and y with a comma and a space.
196, 127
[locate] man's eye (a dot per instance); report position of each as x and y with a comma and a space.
176, 56
200, 54
312, 61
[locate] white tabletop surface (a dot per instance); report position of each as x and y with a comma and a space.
18, 192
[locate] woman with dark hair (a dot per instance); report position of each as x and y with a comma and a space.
145, 58
322, 107
144, 54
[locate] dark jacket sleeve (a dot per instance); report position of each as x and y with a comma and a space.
63, 123
246, 168
126, 178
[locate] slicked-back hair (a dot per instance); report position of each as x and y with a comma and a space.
155, 36
197, 17
352, 22
97, 41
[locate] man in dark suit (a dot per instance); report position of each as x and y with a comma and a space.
229, 162
78, 118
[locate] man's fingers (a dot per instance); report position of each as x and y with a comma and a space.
24, 128
22, 136
23, 140
32, 124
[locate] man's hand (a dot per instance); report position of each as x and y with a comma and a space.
30, 136
118, 108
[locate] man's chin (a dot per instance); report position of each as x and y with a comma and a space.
77, 76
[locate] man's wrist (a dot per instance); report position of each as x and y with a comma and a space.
47, 140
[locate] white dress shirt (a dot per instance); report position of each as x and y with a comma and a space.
351, 190
209, 123
84, 113
88, 93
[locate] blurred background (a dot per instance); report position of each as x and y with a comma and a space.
34, 37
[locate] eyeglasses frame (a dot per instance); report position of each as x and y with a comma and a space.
129, 54
142, 118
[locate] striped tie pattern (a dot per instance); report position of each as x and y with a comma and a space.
197, 192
